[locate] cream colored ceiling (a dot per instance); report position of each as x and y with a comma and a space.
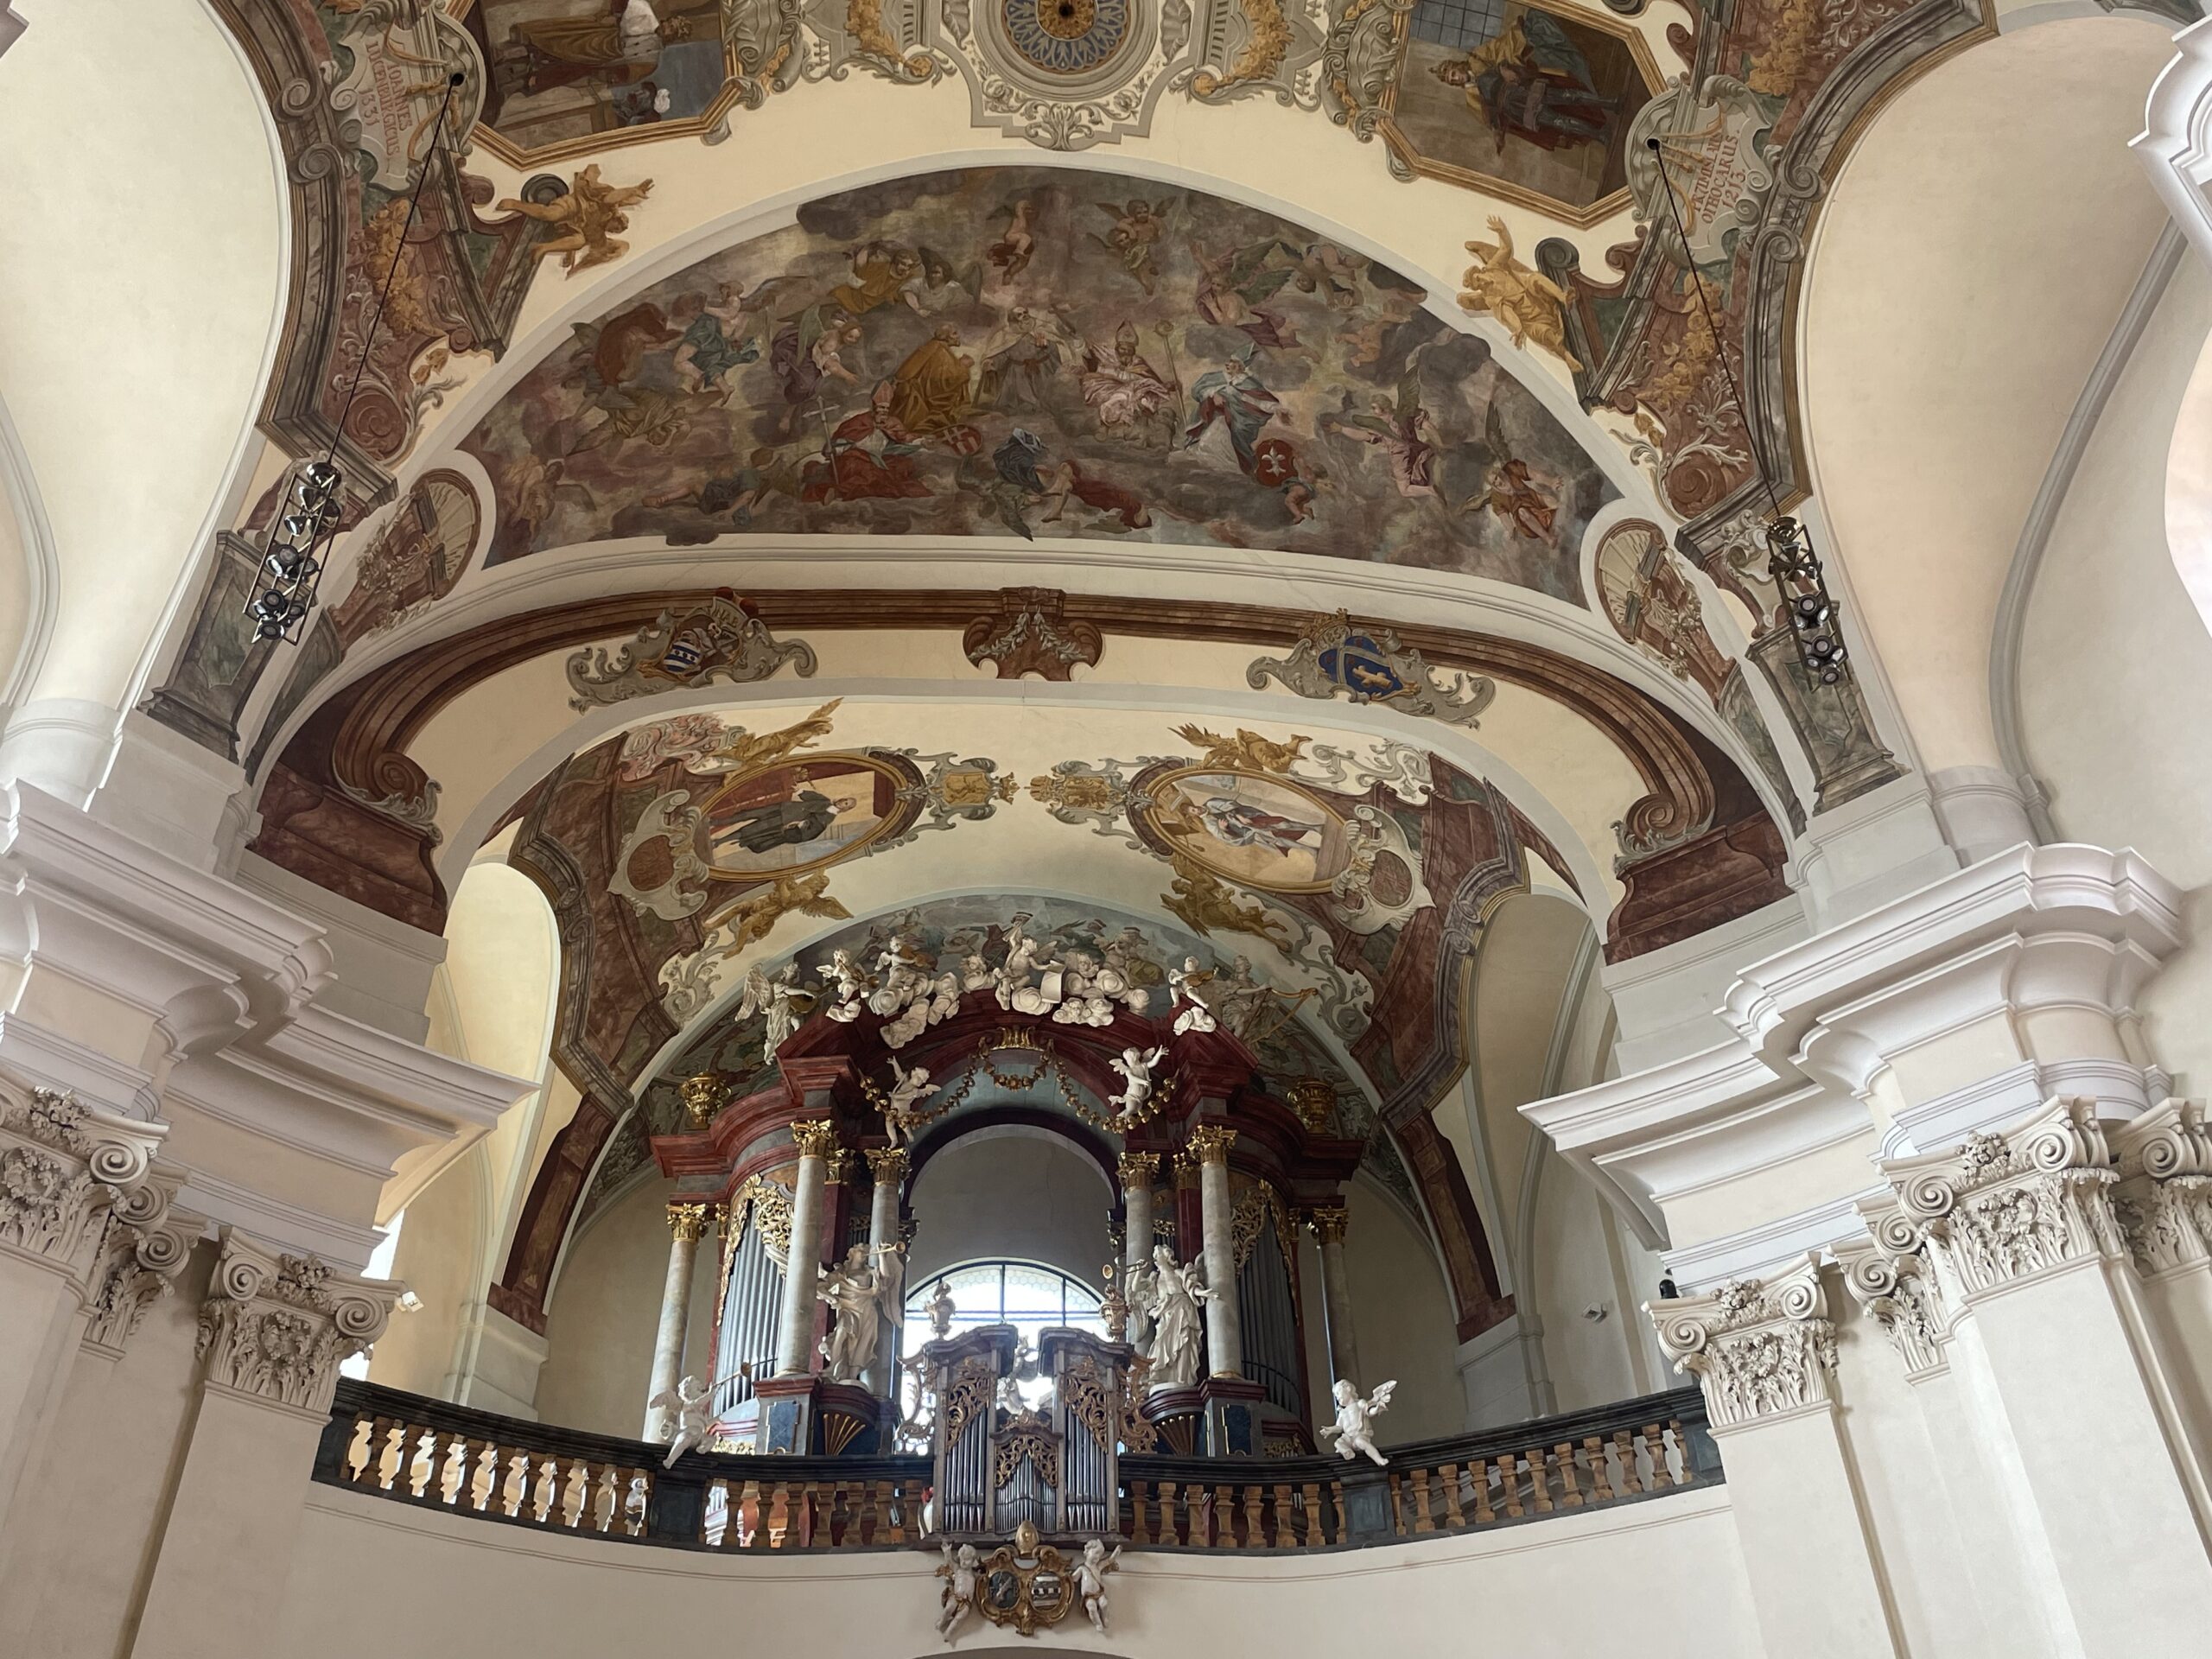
1971, 262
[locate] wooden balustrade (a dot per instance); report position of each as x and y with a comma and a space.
1606, 1455
424, 1452
421, 1451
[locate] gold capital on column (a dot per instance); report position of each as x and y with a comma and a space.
1328, 1222
687, 1217
887, 1165
1211, 1143
1138, 1168
816, 1137
704, 1096
841, 1165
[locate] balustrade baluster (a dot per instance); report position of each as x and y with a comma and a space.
1629, 1483
1337, 1503
1314, 1526
444, 1477
1478, 1472
1221, 1519
1654, 1444
1449, 1474
1168, 1532
1256, 1536
1570, 1491
1283, 1534
1422, 1523
1540, 1479
1601, 1474
1509, 1480
369, 1470
1140, 1516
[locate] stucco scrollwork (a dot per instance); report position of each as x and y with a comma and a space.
1759, 1348
2164, 1196
1889, 1276
60, 1164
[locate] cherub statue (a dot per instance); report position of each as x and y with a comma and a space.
851, 982
686, 1406
1026, 959
1135, 1066
1354, 1431
1138, 1286
962, 1572
1528, 304
908, 1090
1091, 1579
585, 220
1085, 1000
1183, 983
781, 999
940, 1311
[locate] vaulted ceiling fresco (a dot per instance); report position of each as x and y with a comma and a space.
1015, 352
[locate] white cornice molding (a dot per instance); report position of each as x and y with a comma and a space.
1817, 1023
2176, 143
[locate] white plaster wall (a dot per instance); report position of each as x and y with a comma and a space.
1401, 1311
143, 273
1965, 271
599, 1325
2116, 666
1010, 1191
1583, 1263
1659, 1579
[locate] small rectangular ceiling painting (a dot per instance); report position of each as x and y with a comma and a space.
560, 70
1490, 93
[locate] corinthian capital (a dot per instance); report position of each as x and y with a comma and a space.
2004, 1207
2164, 1196
276, 1327
1889, 1276
1760, 1347
1209, 1143
815, 1137
145, 1244
60, 1164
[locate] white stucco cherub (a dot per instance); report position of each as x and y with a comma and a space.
851, 982
1191, 1015
1091, 1579
1135, 1066
961, 1571
908, 1090
689, 1417
1354, 1431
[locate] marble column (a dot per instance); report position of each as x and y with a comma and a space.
1328, 1223
1224, 1332
1137, 1171
687, 1219
816, 1139
888, 1166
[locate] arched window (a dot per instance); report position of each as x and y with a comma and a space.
1027, 1295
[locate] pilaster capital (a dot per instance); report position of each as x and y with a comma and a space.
1329, 1221
1760, 1347
815, 1137
1138, 1169
2007, 1207
1889, 1276
276, 1326
704, 1095
146, 1244
1209, 1143
887, 1165
62, 1163
2164, 1196
688, 1219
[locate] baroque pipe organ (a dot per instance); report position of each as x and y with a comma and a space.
808, 1179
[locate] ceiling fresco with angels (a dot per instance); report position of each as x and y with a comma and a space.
1039, 354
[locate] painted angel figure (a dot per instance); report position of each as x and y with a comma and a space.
780, 999
851, 982
1091, 1579
962, 1572
1354, 1430
687, 1409
1183, 983
908, 1090
1135, 1066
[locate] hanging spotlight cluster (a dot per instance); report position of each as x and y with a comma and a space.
1791, 562
284, 588
292, 566
1796, 571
